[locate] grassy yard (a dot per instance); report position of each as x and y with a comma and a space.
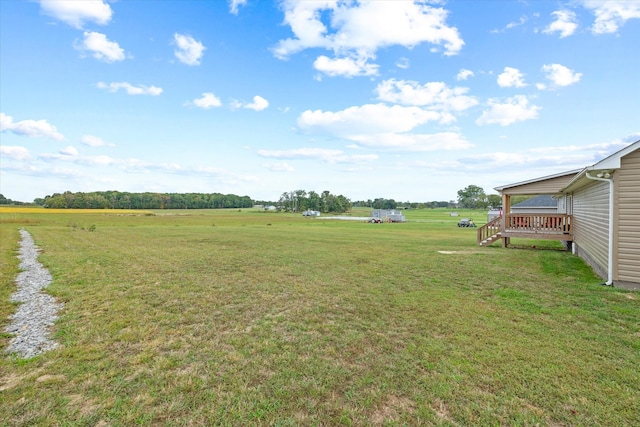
248, 318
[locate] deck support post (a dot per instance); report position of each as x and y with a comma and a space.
506, 210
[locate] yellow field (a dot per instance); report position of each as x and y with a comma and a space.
31, 210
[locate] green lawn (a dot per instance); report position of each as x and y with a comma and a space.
234, 317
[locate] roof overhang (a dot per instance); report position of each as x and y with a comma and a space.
536, 180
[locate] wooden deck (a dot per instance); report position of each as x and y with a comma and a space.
528, 226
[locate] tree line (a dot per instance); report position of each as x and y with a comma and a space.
471, 197
325, 202
125, 200
5, 201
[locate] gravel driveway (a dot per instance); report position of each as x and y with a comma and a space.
37, 310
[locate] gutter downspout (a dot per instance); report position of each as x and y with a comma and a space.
609, 281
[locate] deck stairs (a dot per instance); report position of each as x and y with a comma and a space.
489, 240
490, 232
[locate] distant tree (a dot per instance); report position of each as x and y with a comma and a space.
313, 201
472, 197
382, 203
494, 200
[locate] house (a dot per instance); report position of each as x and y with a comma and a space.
544, 203
598, 215
494, 213
604, 200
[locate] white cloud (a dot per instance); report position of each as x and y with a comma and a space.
513, 24
433, 94
279, 167
207, 100
102, 48
323, 154
15, 152
382, 127
546, 160
189, 50
366, 119
560, 75
403, 63
258, 104
565, 23
31, 128
70, 151
94, 141
611, 15
517, 23
508, 161
515, 109
511, 77
346, 67
464, 74
413, 142
356, 30
130, 89
235, 4
76, 13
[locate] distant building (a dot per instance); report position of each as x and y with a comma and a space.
544, 203
494, 213
390, 215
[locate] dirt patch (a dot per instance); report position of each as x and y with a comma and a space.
10, 381
463, 252
391, 410
50, 378
441, 410
85, 406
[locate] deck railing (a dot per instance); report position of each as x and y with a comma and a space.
552, 224
538, 226
533, 226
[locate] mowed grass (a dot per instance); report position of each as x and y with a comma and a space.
248, 318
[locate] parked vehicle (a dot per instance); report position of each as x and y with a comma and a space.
466, 222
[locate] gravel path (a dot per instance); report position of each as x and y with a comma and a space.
38, 311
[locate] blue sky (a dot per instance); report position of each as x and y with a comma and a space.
396, 99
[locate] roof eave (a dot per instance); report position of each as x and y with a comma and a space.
530, 181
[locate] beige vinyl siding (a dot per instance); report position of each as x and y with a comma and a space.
591, 224
628, 228
565, 204
548, 186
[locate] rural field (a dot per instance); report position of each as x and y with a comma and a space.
241, 317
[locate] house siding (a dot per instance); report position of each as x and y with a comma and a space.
627, 245
565, 204
591, 224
